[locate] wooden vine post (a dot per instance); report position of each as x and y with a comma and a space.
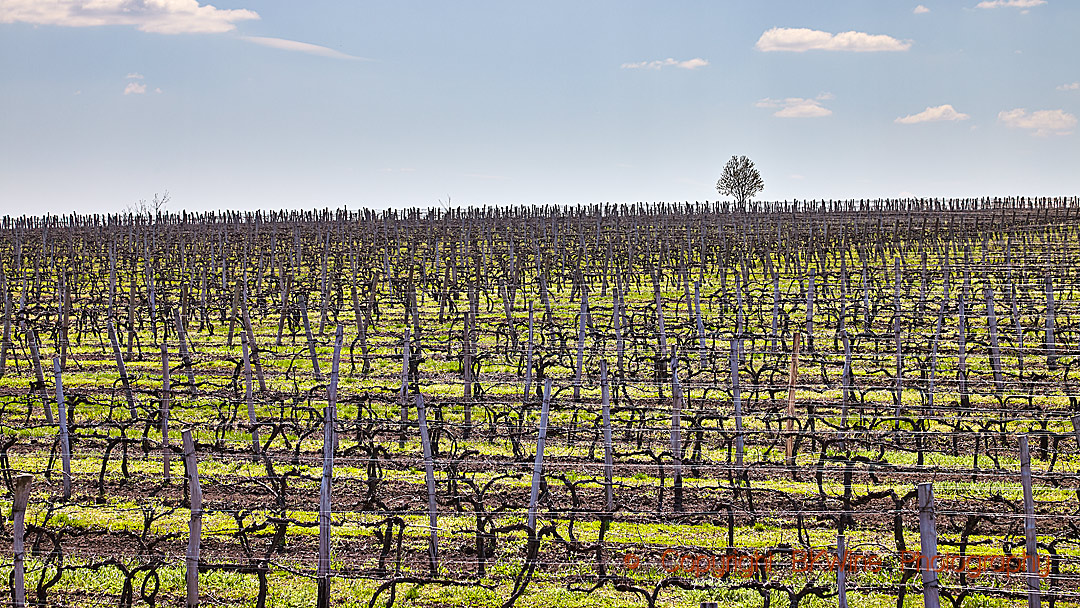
166, 397
793, 379
605, 404
1031, 545
325, 488
841, 571
736, 397
810, 311
191, 575
252, 344
185, 355
995, 348
18, 517
676, 430
65, 445
897, 333
403, 394
538, 465
123, 372
928, 542
31, 337
1051, 342
528, 360
429, 478
582, 324
310, 340
249, 398
703, 350
6, 346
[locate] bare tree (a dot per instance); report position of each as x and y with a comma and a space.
157, 205
740, 179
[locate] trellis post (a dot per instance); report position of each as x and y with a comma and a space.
18, 517
1031, 545
928, 542
191, 575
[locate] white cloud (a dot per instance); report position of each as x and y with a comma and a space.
158, 90
797, 107
1009, 3
1072, 86
689, 64
135, 88
156, 16
802, 39
931, 114
134, 76
1042, 122
301, 47
921, 10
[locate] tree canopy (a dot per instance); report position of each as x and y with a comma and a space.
740, 179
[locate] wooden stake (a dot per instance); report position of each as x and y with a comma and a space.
195, 524
793, 378
123, 372
841, 571
166, 397
403, 396
605, 404
7, 325
310, 340
429, 476
538, 466
250, 333
1051, 344
248, 398
1032, 556
528, 360
676, 429
703, 351
736, 397
65, 446
325, 488
995, 349
928, 541
899, 380
810, 311
31, 337
582, 320
18, 517
185, 355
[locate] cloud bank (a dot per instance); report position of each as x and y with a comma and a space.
797, 107
798, 40
933, 114
1042, 123
1009, 3
154, 16
689, 64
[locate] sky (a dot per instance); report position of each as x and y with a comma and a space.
283, 104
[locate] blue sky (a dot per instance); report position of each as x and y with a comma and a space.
285, 104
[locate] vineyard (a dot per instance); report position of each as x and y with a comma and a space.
807, 404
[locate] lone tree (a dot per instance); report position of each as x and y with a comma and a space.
740, 179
